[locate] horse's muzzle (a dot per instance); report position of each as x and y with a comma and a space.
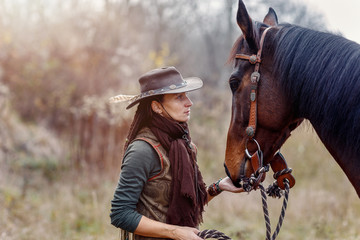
243, 175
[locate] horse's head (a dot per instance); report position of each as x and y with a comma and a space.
261, 115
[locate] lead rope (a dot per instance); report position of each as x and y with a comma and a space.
212, 233
266, 213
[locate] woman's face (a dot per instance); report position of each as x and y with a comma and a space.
177, 105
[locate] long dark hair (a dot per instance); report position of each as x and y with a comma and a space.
142, 118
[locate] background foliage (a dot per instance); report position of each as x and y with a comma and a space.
61, 142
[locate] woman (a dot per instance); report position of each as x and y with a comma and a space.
161, 193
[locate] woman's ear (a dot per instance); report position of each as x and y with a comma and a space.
156, 107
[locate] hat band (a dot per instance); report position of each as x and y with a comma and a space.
159, 91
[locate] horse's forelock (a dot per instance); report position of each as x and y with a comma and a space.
235, 48
233, 51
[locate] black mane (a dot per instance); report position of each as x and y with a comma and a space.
320, 73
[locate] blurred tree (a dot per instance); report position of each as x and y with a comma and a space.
55, 54
294, 12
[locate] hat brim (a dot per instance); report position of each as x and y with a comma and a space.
192, 83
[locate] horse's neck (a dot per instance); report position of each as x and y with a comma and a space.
347, 160
324, 89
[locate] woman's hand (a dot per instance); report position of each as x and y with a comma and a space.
151, 228
186, 233
227, 185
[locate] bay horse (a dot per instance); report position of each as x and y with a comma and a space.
300, 74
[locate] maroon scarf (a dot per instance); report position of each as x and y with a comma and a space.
188, 192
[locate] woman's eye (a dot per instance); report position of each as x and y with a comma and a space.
234, 84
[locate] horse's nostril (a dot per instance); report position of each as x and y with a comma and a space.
237, 183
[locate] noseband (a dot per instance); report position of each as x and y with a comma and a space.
278, 162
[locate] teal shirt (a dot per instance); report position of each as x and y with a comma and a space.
140, 163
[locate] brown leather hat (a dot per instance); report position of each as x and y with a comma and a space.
160, 81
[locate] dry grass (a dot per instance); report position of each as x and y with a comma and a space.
322, 205
76, 206
46, 202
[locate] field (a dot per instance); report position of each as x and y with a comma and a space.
66, 204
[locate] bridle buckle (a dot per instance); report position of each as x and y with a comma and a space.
255, 77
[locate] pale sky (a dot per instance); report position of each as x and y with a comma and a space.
342, 16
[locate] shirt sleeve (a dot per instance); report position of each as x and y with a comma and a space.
140, 163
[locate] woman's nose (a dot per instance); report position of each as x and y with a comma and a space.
188, 103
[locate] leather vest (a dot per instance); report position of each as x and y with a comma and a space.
154, 199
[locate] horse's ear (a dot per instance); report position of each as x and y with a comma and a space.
246, 24
271, 18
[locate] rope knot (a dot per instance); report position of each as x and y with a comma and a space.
274, 190
282, 172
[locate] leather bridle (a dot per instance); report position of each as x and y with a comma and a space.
254, 79
278, 162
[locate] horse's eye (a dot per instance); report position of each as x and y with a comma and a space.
234, 84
